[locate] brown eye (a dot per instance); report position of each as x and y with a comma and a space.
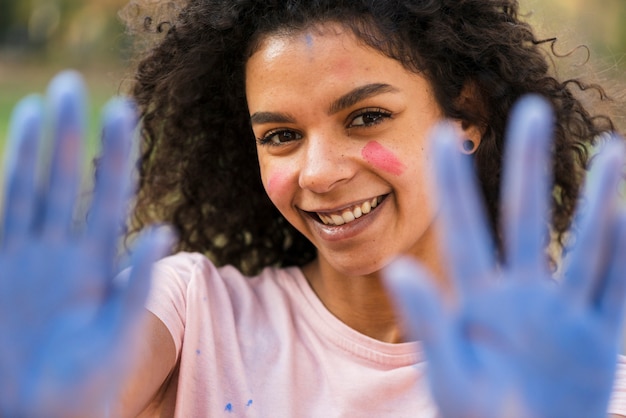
279, 137
369, 118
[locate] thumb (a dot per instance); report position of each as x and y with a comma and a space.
417, 301
422, 308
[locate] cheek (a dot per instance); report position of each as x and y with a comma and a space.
382, 158
277, 186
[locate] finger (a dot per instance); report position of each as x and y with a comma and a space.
465, 235
113, 177
586, 262
128, 298
420, 304
67, 101
612, 295
113, 336
526, 187
20, 171
422, 310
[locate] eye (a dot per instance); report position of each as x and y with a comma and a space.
369, 117
278, 137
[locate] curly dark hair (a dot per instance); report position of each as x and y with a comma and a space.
199, 169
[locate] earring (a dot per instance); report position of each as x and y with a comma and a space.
469, 146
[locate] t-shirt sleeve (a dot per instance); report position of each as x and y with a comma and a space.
618, 399
167, 299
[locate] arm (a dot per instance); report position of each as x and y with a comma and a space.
156, 362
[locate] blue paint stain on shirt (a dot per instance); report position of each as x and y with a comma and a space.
229, 407
198, 352
249, 403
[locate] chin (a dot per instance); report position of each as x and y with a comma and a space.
352, 268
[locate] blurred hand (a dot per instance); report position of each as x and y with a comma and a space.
515, 343
66, 329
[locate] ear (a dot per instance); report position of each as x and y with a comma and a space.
471, 103
470, 137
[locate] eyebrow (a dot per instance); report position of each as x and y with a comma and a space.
358, 94
347, 100
259, 118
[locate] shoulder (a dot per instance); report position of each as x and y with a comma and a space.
187, 270
198, 301
186, 284
181, 267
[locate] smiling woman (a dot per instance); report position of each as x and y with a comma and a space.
299, 148
361, 103
341, 97
475, 80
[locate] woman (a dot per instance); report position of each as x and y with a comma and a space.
341, 97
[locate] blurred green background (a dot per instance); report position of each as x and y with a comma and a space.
40, 37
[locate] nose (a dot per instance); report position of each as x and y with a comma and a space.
326, 164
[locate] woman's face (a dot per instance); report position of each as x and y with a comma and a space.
342, 145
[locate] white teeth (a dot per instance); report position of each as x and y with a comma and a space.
348, 216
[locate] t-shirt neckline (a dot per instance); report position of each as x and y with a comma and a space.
348, 339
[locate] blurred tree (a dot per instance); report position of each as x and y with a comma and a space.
72, 31
13, 21
7, 13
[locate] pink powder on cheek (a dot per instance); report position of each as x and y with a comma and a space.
276, 185
380, 157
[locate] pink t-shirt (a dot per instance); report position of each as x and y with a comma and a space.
267, 347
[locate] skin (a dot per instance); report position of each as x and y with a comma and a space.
323, 154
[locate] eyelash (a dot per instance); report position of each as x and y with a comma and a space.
267, 138
377, 115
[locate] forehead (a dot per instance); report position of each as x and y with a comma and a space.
329, 42
307, 36
323, 56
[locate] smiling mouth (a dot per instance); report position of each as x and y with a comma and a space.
347, 215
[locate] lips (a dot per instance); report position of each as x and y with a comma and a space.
349, 214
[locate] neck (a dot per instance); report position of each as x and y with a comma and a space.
362, 302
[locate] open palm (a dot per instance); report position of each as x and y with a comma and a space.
66, 328
516, 342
